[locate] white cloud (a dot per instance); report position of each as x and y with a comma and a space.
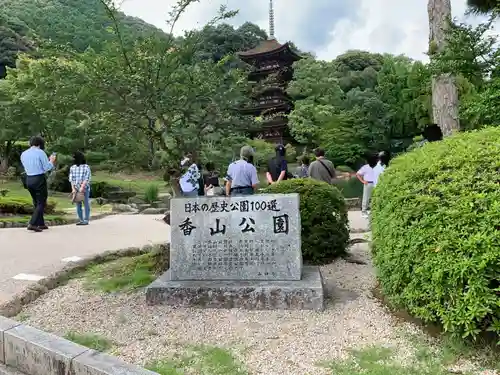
326, 27
393, 26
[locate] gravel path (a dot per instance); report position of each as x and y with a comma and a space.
268, 342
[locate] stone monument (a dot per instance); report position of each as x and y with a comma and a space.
237, 252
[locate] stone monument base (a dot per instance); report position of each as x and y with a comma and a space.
306, 294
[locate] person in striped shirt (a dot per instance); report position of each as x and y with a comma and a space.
79, 176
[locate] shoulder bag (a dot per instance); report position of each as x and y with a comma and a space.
332, 176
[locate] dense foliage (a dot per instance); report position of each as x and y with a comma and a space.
78, 23
362, 102
130, 95
323, 213
435, 222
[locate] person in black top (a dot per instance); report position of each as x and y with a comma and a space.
277, 168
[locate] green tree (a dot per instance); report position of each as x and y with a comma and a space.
472, 54
153, 86
12, 41
318, 96
78, 23
483, 6
359, 103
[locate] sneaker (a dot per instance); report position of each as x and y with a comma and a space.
34, 229
82, 223
364, 215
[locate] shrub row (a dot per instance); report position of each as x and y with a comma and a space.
436, 232
12, 205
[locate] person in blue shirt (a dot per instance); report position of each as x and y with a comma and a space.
36, 164
242, 178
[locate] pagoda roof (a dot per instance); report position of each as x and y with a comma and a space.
266, 47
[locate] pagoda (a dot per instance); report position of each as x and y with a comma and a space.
271, 72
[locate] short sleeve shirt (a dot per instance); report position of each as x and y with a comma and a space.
242, 174
367, 173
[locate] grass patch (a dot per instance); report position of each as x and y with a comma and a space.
205, 360
26, 219
451, 350
22, 317
382, 361
91, 341
124, 274
15, 188
139, 183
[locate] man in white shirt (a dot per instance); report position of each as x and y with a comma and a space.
189, 180
383, 162
366, 175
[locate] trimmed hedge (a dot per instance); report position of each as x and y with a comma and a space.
436, 232
12, 205
325, 225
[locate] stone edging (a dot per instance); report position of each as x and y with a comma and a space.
34, 352
353, 204
8, 225
39, 288
359, 231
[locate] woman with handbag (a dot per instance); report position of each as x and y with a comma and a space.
79, 176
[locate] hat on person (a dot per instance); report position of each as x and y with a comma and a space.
246, 152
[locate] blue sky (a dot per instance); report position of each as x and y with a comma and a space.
325, 27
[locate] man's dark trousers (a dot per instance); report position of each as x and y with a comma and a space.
37, 186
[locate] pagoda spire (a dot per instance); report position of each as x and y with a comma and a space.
271, 20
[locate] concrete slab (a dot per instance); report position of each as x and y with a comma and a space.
39, 353
95, 363
5, 325
305, 294
4, 370
358, 223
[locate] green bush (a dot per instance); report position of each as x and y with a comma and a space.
263, 152
151, 194
291, 154
101, 189
351, 188
12, 205
325, 230
58, 180
436, 232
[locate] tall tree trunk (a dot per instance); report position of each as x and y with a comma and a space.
151, 126
444, 89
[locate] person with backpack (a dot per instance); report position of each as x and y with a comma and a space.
277, 168
322, 169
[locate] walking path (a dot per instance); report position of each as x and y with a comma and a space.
26, 257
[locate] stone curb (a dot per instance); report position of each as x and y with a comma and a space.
8, 225
34, 352
35, 290
359, 230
